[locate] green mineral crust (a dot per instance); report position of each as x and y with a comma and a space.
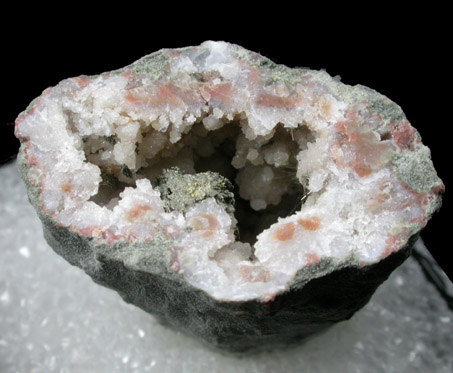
180, 191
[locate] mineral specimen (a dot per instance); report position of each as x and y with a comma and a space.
241, 201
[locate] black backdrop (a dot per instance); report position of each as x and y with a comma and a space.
407, 63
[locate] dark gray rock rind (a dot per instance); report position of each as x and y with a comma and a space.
240, 327
237, 327
82, 251
232, 326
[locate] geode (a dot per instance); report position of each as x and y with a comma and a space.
240, 201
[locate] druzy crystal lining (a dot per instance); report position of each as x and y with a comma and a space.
334, 174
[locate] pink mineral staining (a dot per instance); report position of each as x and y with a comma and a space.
310, 224
285, 232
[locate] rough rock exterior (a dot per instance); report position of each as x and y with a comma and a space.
241, 201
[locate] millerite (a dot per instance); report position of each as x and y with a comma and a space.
243, 202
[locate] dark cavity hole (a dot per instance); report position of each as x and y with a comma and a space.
109, 189
252, 222
223, 141
386, 136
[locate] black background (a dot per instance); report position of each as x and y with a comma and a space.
404, 58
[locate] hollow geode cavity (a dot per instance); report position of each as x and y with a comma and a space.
237, 200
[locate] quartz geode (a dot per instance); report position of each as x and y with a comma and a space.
241, 201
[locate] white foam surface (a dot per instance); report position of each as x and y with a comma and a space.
53, 318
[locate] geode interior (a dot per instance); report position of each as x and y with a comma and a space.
247, 178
